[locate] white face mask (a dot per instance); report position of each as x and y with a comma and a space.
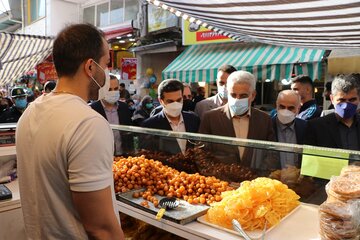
223, 91
285, 116
105, 88
173, 109
112, 96
238, 106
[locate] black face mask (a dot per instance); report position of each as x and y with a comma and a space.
188, 105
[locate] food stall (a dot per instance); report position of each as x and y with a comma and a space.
210, 161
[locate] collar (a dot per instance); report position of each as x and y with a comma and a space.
308, 104
218, 100
355, 120
180, 121
282, 126
114, 107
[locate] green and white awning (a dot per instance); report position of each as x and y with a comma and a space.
199, 63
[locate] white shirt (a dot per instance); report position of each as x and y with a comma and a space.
241, 127
62, 145
180, 127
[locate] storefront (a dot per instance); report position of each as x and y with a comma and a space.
271, 65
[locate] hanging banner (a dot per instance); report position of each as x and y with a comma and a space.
128, 68
46, 71
159, 19
194, 34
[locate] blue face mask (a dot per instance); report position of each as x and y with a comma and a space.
238, 106
20, 103
345, 110
149, 105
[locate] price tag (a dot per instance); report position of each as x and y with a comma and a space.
328, 164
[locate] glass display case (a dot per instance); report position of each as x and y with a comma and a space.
200, 171
305, 169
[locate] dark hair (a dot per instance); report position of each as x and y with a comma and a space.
227, 69
170, 85
303, 79
75, 44
346, 83
328, 86
122, 85
49, 85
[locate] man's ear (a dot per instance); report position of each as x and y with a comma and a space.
332, 99
88, 68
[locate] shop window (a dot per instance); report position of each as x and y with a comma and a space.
116, 11
102, 15
35, 10
131, 9
89, 15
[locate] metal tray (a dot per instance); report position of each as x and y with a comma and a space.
183, 214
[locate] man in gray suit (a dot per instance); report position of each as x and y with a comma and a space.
238, 119
221, 97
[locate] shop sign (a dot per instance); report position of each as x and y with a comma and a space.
195, 34
46, 71
159, 19
128, 68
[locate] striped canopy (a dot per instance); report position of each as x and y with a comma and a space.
200, 62
324, 24
21, 53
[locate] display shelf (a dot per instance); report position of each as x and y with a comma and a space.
14, 202
243, 142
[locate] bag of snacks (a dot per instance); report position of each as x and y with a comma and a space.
340, 213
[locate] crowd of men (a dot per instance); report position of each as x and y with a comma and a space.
65, 149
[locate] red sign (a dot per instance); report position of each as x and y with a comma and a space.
128, 68
46, 71
209, 35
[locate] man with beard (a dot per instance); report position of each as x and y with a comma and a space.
65, 149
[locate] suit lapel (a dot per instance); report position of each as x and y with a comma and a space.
358, 128
228, 124
334, 130
164, 122
102, 110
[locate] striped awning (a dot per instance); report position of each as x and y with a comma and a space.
199, 63
324, 24
21, 53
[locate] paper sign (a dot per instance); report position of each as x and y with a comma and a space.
325, 166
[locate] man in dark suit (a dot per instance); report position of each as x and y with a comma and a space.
238, 119
117, 113
287, 127
171, 118
340, 129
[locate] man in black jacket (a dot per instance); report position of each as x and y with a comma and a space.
171, 117
340, 129
117, 113
18, 97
